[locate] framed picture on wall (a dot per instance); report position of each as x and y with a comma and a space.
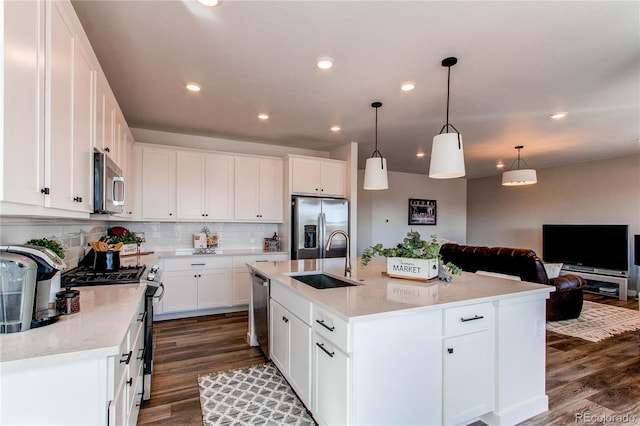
422, 212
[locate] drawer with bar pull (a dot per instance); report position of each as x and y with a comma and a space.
468, 319
331, 327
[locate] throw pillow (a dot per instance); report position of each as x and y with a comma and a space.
553, 269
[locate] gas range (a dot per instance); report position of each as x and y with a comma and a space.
84, 276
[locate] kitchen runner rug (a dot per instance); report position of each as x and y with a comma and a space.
597, 322
256, 395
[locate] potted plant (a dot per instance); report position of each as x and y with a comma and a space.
413, 258
130, 240
52, 245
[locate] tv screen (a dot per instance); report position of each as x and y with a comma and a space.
587, 246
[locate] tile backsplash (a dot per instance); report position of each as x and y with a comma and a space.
74, 235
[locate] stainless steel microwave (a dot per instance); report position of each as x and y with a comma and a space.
108, 185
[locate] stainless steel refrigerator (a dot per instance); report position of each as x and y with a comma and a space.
313, 219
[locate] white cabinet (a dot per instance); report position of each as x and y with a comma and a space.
315, 176
258, 189
194, 283
290, 339
158, 183
70, 83
205, 186
331, 383
22, 141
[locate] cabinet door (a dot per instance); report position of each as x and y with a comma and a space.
305, 176
247, 175
190, 172
241, 287
219, 186
23, 151
300, 359
158, 183
214, 288
467, 377
180, 291
59, 111
331, 370
84, 77
333, 181
279, 337
271, 190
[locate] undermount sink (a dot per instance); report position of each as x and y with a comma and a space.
322, 281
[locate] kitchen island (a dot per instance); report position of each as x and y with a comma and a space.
84, 369
395, 351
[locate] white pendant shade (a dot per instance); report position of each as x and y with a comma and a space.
447, 160
519, 177
375, 174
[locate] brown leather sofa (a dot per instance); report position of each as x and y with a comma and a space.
564, 303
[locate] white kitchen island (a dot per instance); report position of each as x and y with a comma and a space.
394, 351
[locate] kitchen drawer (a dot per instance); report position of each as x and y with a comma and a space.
296, 304
116, 369
137, 357
468, 319
196, 262
136, 325
241, 261
331, 327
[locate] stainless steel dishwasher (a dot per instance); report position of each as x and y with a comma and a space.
260, 308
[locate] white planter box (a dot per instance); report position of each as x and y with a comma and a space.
416, 269
128, 249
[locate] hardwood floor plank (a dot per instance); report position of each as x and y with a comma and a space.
583, 378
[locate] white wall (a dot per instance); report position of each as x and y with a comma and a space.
597, 192
383, 215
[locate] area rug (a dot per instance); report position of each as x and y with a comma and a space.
256, 395
597, 322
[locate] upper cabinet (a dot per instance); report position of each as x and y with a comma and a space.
58, 112
259, 189
158, 183
205, 186
317, 176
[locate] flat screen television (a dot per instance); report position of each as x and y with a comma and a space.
587, 247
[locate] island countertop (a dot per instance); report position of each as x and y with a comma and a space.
104, 317
376, 294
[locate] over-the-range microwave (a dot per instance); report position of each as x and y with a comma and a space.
108, 185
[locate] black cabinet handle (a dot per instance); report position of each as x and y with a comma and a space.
285, 319
130, 381
321, 322
77, 199
321, 346
107, 149
450, 350
475, 317
126, 358
142, 316
45, 191
141, 351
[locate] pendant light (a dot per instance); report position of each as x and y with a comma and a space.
447, 157
519, 176
375, 171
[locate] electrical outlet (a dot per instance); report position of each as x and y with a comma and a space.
174, 234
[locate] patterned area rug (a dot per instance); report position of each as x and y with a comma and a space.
250, 396
597, 322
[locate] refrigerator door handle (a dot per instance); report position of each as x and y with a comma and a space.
321, 235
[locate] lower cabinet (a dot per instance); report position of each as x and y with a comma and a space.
290, 347
331, 379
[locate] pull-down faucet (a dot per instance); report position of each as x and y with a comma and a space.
347, 265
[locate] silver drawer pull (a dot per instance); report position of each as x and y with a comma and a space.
475, 317
321, 322
321, 346
197, 264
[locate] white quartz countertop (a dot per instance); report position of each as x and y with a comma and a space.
379, 294
98, 329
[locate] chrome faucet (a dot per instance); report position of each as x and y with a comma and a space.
347, 265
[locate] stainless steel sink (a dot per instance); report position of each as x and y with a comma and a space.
322, 281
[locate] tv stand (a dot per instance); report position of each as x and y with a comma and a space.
604, 285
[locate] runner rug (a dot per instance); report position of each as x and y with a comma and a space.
597, 322
256, 395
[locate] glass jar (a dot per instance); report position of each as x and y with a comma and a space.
68, 301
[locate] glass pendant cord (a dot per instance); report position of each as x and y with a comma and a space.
446, 126
377, 152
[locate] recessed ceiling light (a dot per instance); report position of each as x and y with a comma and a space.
325, 63
420, 154
407, 86
335, 128
210, 3
263, 116
499, 166
193, 87
558, 115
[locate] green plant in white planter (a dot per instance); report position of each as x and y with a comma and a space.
413, 258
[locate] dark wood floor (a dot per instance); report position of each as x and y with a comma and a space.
582, 377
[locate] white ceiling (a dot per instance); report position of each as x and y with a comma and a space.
518, 62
